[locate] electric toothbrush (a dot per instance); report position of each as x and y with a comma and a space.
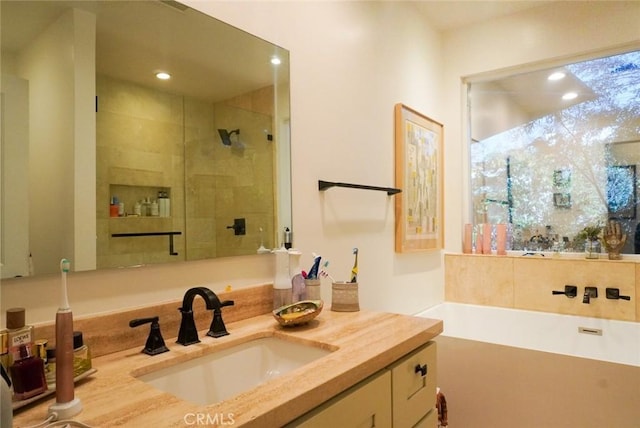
66, 405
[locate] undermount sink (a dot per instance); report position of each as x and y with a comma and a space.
222, 374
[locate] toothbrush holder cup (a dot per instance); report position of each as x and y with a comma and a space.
344, 297
312, 289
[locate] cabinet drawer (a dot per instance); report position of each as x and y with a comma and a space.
365, 405
413, 386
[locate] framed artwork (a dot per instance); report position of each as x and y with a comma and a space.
621, 191
419, 174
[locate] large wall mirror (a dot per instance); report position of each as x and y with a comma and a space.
556, 150
108, 165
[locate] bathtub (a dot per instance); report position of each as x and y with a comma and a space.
541, 331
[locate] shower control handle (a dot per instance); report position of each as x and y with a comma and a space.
239, 226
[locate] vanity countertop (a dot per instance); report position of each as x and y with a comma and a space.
366, 342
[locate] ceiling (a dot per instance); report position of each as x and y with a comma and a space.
448, 15
134, 39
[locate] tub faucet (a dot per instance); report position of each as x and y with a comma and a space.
188, 333
589, 293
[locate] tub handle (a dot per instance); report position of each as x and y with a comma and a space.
422, 369
570, 291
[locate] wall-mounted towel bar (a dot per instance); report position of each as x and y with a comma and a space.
324, 185
133, 235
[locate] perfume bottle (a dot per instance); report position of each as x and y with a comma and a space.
27, 374
18, 333
81, 355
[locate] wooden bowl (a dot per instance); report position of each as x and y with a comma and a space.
298, 313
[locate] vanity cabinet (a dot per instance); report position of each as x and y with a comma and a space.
367, 404
413, 388
403, 395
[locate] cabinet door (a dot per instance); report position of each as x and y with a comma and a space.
413, 380
365, 405
429, 421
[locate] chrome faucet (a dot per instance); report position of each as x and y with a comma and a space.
188, 333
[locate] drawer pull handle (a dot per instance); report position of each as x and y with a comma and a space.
421, 369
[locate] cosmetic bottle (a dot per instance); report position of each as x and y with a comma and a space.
40, 346
50, 368
81, 355
27, 374
167, 205
155, 211
113, 207
18, 333
137, 209
4, 350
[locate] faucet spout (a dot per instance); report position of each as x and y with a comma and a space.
188, 334
209, 298
589, 293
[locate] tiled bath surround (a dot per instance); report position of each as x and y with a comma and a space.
527, 283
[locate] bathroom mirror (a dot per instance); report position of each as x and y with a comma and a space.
108, 165
556, 150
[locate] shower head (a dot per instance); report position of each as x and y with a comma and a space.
225, 136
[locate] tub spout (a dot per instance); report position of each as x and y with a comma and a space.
589, 293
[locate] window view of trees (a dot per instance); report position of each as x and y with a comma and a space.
551, 172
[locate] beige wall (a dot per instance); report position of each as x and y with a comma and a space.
527, 283
494, 386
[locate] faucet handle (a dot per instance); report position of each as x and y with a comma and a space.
570, 291
155, 343
226, 303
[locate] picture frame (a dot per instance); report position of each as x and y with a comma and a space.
621, 192
419, 213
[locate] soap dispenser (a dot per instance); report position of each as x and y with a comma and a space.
282, 280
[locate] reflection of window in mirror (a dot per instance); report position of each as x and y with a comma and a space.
555, 150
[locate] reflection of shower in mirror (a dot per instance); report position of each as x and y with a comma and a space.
225, 136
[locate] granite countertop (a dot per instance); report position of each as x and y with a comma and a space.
363, 343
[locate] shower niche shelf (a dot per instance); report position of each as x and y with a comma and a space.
130, 194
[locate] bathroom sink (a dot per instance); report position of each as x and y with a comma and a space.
222, 374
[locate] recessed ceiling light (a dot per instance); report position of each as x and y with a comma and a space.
556, 76
163, 75
275, 60
569, 96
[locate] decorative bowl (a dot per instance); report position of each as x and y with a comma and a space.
298, 313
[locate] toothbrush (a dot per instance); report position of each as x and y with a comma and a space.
324, 273
354, 269
313, 273
66, 404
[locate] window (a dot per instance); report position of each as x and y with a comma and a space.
551, 155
